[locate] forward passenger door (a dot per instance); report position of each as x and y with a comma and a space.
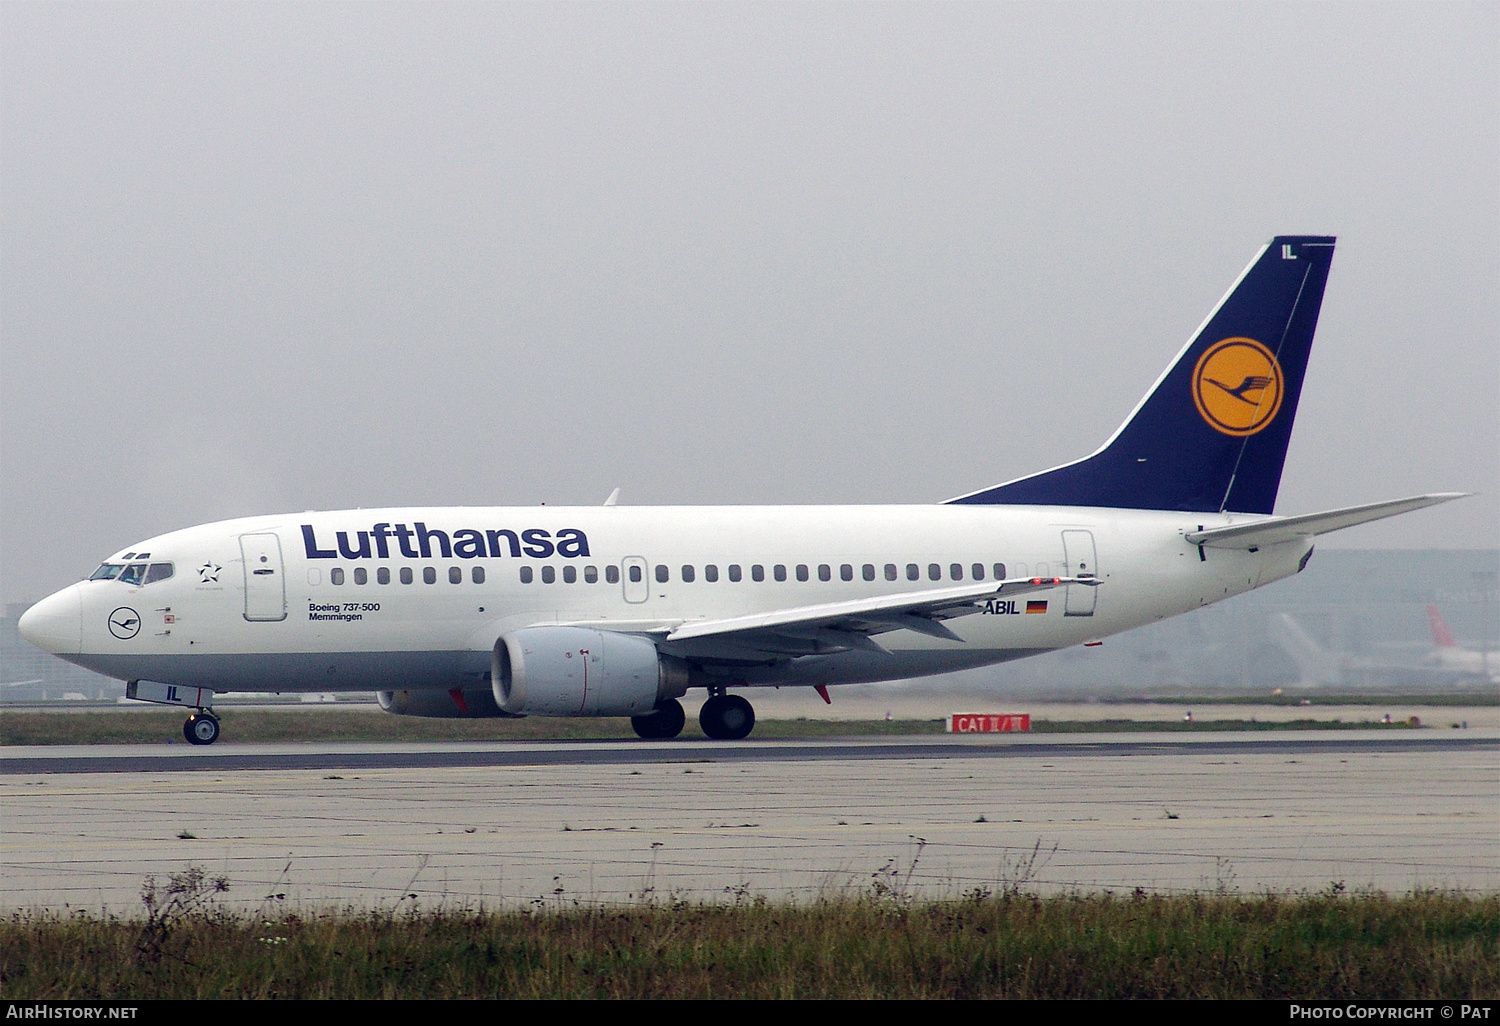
265, 581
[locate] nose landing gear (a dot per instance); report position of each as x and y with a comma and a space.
201, 728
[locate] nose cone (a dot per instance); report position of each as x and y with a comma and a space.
55, 624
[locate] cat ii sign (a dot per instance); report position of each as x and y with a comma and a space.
988, 723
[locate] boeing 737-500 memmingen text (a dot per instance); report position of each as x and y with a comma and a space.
618, 611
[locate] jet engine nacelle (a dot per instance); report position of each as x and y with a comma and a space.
575, 671
454, 704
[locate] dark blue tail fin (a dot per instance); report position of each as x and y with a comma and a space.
1212, 433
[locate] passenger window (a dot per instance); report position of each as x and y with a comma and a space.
336, 575
477, 575
913, 572
956, 571
158, 572
825, 572
455, 575
934, 572
779, 571
429, 575
890, 571
591, 574
525, 575
802, 571
361, 575
549, 575
133, 574
710, 573
978, 569
662, 576
570, 575
383, 575
758, 572
687, 575
406, 575
107, 571
999, 571
1021, 570
635, 575
734, 572
846, 572
869, 571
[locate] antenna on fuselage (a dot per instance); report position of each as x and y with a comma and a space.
614, 498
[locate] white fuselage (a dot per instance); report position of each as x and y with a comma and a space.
282, 603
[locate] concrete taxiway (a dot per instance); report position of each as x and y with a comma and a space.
518, 823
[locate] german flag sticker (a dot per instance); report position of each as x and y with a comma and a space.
1037, 607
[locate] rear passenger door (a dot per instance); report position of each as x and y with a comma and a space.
1078, 551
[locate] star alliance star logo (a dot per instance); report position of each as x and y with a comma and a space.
208, 573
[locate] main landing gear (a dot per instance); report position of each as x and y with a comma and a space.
666, 720
726, 717
723, 718
201, 728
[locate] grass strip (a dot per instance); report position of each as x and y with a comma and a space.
1330, 946
266, 726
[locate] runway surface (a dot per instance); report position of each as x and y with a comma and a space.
224, 757
553, 823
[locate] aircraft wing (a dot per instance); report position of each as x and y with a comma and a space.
1284, 529
840, 626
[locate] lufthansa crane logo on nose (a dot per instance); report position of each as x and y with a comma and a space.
1237, 386
124, 623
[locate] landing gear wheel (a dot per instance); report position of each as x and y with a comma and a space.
201, 728
726, 718
666, 720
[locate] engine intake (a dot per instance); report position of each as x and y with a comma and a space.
576, 671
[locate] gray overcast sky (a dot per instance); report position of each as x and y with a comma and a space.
259, 257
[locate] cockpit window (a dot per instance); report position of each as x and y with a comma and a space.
107, 571
135, 573
158, 572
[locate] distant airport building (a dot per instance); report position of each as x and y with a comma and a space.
1361, 616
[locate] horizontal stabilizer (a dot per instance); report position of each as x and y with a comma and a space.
1285, 529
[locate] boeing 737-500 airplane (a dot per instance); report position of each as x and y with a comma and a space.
617, 611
